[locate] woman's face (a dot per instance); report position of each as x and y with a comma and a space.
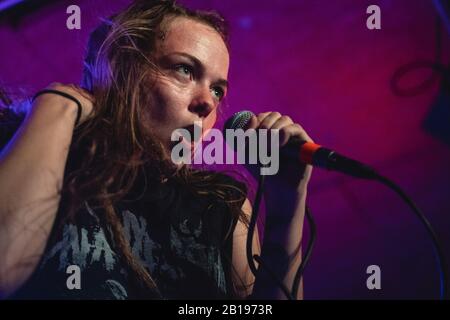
194, 61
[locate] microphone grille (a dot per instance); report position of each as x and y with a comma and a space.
239, 120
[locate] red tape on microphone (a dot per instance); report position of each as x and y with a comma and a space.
307, 151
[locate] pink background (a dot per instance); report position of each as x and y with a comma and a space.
317, 62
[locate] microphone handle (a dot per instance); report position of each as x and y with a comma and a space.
330, 160
318, 156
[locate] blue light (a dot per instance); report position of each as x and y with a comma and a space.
9, 3
245, 22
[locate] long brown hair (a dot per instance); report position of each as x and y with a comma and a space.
115, 146
112, 149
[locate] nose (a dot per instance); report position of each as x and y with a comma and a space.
203, 103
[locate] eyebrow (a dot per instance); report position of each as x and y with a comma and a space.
198, 63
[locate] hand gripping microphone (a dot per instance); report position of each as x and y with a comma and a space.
309, 152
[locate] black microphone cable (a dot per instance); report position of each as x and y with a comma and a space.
336, 163
438, 251
249, 244
308, 252
291, 295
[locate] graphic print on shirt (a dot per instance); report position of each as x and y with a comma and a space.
88, 247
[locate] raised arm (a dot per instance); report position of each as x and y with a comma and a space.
285, 198
281, 252
31, 175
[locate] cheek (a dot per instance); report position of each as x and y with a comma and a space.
168, 101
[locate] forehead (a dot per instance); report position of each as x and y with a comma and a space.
196, 39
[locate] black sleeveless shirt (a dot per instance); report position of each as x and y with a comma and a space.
183, 240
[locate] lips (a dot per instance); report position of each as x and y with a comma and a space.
192, 145
191, 129
188, 143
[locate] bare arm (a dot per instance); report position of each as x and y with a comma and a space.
243, 278
285, 199
281, 249
281, 252
31, 174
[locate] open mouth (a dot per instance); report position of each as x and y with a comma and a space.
195, 131
192, 140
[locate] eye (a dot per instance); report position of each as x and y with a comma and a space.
184, 69
218, 92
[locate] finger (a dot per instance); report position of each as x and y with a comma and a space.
283, 121
268, 121
82, 92
262, 116
69, 88
291, 131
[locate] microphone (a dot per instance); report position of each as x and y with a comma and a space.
310, 153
